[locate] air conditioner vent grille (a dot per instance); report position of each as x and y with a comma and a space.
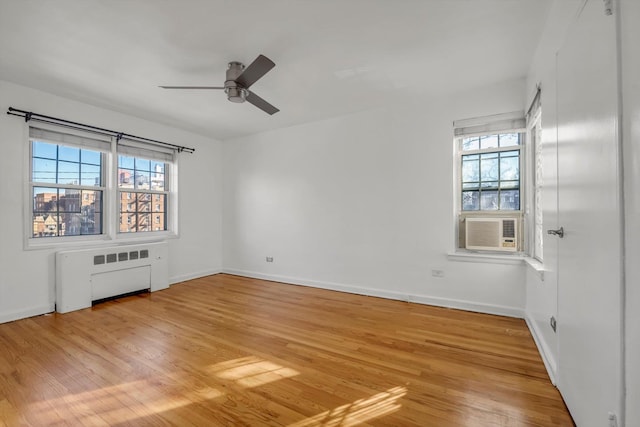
509, 228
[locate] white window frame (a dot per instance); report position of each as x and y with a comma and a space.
110, 209
513, 122
535, 229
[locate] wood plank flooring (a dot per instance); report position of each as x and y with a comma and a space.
230, 351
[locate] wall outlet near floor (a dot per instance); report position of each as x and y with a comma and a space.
437, 273
552, 322
269, 259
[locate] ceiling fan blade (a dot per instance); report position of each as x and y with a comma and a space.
192, 87
261, 103
258, 68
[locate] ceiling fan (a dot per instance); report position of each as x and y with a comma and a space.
238, 81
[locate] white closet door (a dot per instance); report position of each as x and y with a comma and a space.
589, 254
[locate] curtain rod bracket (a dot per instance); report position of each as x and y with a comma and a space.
27, 116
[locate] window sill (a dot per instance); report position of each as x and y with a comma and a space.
536, 266
62, 243
506, 259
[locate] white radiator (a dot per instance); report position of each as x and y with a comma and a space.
84, 276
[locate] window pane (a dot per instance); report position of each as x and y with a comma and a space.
125, 162
158, 203
470, 144
45, 199
90, 175
69, 200
45, 225
489, 200
144, 202
157, 167
470, 200
142, 180
510, 200
90, 157
125, 178
470, 170
71, 224
157, 181
143, 164
91, 201
509, 167
489, 141
70, 154
127, 202
127, 222
489, 167
44, 171
144, 222
45, 150
68, 173
509, 139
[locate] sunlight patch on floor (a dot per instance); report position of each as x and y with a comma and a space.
119, 403
251, 371
360, 411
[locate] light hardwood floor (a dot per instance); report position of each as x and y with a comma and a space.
233, 351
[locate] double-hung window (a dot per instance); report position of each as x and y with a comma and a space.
490, 167
143, 192
489, 181
67, 184
87, 187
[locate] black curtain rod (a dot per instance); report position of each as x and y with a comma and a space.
29, 115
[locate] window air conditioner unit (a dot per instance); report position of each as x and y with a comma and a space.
492, 234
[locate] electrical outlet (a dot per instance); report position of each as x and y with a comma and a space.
269, 259
552, 322
437, 273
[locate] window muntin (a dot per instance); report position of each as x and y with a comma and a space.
143, 194
490, 172
66, 190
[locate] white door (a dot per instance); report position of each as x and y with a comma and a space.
589, 254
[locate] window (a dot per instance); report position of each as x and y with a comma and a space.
66, 189
70, 192
489, 181
490, 166
139, 181
534, 120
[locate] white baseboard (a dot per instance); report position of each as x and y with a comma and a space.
29, 312
184, 277
420, 299
543, 348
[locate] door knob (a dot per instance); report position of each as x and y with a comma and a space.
559, 232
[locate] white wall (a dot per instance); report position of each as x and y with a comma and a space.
27, 279
364, 203
630, 16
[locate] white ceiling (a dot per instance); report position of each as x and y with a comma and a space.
332, 56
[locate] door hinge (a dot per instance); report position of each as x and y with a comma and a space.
608, 7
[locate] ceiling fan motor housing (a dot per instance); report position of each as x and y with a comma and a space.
235, 93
